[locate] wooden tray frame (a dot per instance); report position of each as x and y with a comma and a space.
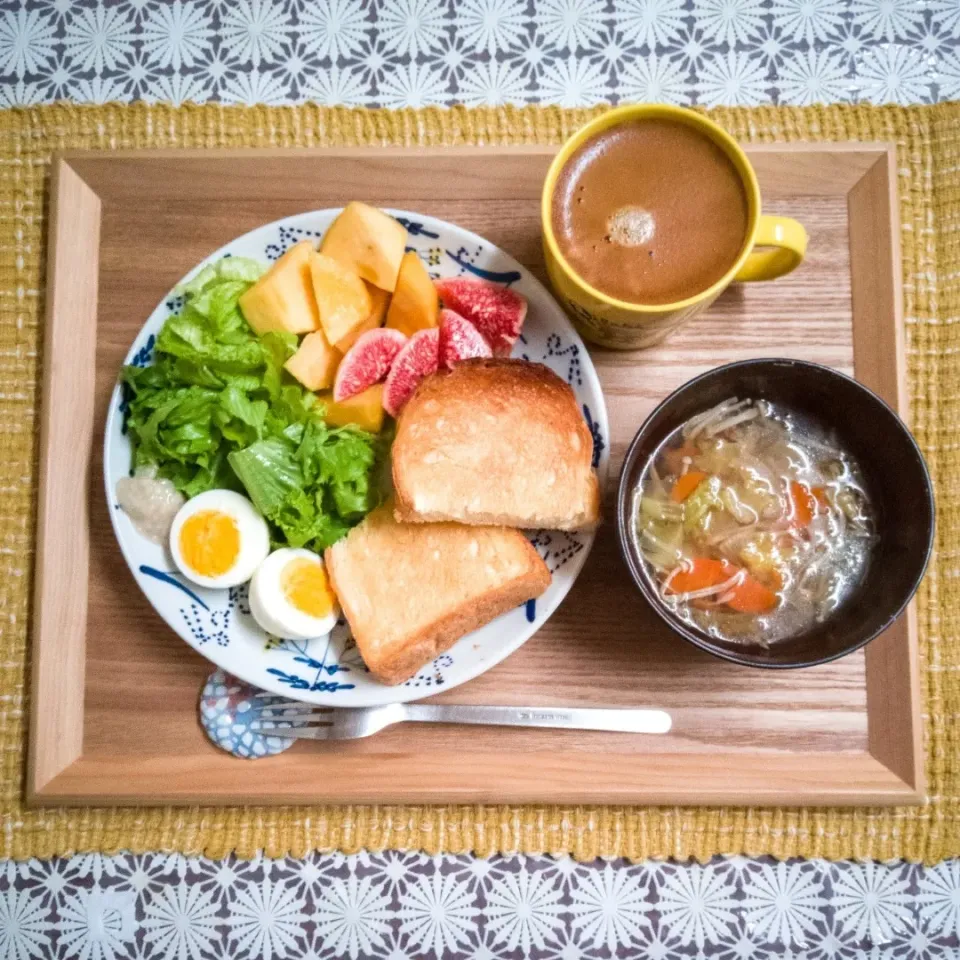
70, 758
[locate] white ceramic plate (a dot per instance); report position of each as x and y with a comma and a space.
329, 670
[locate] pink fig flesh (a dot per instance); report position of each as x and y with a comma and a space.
367, 362
460, 340
418, 359
497, 312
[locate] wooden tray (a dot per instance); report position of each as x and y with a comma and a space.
115, 692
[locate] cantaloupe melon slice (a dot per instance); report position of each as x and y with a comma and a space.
381, 300
415, 304
369, 241
283, 298
343, 299
365, 410
315, 362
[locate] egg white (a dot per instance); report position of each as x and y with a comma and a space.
253, 530
270, 606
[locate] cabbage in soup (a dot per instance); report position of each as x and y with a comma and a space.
753, 523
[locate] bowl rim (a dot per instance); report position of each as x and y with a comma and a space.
697, 637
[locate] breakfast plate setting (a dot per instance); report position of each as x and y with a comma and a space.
358, 462
328, 668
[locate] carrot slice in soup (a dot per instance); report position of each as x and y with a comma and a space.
700, 573
751, 596
686, 484
804, 504
820, 495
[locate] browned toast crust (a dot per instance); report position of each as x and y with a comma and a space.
495, 441
378, 577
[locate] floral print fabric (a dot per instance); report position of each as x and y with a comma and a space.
416, 53
409, 905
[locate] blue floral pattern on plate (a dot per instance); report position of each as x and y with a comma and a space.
329, 669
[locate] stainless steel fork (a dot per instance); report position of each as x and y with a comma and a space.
305, 722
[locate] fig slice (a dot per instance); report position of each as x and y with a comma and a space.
418, 359
460, 340
497, 312
367, 362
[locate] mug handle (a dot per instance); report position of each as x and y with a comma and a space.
787, 243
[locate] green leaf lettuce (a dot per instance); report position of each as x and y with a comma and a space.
217, 409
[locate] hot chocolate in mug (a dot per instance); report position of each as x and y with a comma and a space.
765, 247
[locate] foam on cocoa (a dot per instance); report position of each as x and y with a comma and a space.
650, 211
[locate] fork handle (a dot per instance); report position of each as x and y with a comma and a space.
630, 720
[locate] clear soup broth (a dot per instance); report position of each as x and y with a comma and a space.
753, 523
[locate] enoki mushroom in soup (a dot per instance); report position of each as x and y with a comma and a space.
754, 524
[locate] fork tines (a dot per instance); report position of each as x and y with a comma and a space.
300, 720
280, 711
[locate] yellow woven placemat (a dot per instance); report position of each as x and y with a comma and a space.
928, 140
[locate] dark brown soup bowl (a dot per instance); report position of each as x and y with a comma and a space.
894, 473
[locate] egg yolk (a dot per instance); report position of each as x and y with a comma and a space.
305, 585
210, 543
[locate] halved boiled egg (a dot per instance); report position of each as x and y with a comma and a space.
291, 596
218, 539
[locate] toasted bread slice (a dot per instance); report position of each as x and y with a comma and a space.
495, 442
409, 592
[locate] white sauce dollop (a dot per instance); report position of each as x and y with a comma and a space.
151, 502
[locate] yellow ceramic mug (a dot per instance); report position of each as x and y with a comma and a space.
627, 326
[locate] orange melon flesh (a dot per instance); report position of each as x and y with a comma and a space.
415, 304
381, 300
315, 362
368, 241
342, 298
364, 409
283, 298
